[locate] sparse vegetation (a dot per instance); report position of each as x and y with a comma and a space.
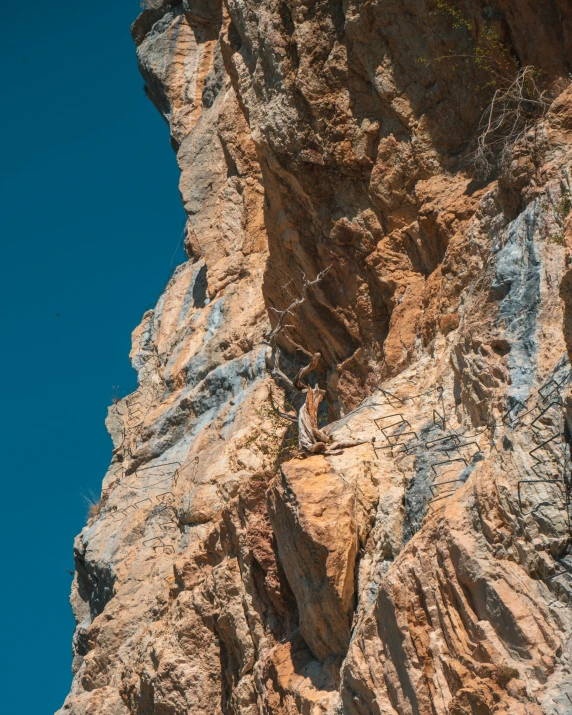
151, 4
93, 511
277, 444
564, 205
516, 107
93, 507
115, 394
505, 674
455, 13
557, 238
271, 439
518, 102
562, 210
489, 53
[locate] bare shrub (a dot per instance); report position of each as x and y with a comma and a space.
116, 396
518, 104
311, 439
151, 4
93, 507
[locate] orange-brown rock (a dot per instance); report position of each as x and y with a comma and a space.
318, 514
427, 569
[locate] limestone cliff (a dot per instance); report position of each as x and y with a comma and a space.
417, 154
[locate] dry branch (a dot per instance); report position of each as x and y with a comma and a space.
514, 109
295, 304
311, 439
303, 371
280, 376
280, 413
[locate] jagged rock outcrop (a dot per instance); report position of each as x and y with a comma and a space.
428, 568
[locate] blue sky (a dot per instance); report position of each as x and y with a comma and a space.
90, 217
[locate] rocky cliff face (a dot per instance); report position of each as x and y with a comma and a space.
426, 570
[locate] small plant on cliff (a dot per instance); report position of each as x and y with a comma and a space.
93, 507
489, 53
505, 674
459, 19
151, 4
564, 205
557, 238
115, 394
562, 210
279, 445
518, 102
93, 511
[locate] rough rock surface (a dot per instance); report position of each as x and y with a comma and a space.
427, 570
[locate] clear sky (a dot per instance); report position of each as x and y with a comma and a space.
90, 217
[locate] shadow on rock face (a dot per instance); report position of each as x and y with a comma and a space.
200, 288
